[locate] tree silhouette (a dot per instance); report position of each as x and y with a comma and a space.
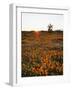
50, 27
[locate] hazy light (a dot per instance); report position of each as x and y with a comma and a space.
38, 22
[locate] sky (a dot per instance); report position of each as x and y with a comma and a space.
38, 22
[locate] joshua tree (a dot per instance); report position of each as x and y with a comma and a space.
50, 27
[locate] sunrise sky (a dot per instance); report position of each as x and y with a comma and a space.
38, 22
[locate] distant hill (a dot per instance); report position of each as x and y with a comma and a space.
59, 30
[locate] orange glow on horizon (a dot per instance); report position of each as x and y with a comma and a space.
37, 34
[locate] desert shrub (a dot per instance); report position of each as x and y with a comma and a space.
25, 60
57, 58
54, 72
37, 60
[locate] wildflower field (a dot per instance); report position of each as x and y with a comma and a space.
41, 53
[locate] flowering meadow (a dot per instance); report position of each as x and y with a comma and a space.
41, 53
